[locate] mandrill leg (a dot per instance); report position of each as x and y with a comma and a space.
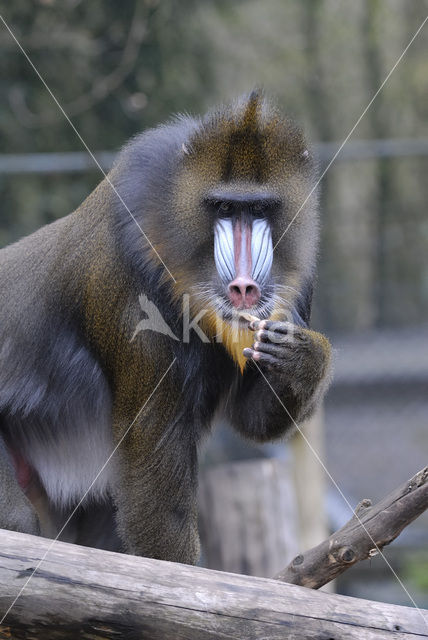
155, 494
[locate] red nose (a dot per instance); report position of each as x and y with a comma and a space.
244, 292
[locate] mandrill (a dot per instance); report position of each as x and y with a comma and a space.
218, 211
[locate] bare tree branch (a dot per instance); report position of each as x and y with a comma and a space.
368, 531
100, 89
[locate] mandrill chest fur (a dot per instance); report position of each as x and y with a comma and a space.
210, 373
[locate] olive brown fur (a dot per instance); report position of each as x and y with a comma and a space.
74, 373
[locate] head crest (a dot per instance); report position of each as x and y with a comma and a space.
246, 140
252, 110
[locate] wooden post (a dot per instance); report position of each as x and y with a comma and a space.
309, 482
309, 485
248, 517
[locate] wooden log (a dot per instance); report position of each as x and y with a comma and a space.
247, 517
84, 593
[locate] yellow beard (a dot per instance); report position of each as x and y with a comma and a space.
234, 337
235, 341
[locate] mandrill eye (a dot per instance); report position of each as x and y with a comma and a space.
258, 209
225, 207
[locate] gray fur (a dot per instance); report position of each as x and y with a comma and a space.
54, 399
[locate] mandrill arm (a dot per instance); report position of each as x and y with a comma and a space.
295, 363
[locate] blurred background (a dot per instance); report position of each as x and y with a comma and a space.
117, 68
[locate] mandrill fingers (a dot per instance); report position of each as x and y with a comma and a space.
294, 359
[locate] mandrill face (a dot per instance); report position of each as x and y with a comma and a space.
244, 175
243, 251
235, 213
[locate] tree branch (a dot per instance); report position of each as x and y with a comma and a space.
368, 531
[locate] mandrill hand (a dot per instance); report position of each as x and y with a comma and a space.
296, 356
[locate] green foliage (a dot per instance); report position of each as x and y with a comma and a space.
116, 68
416, 570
